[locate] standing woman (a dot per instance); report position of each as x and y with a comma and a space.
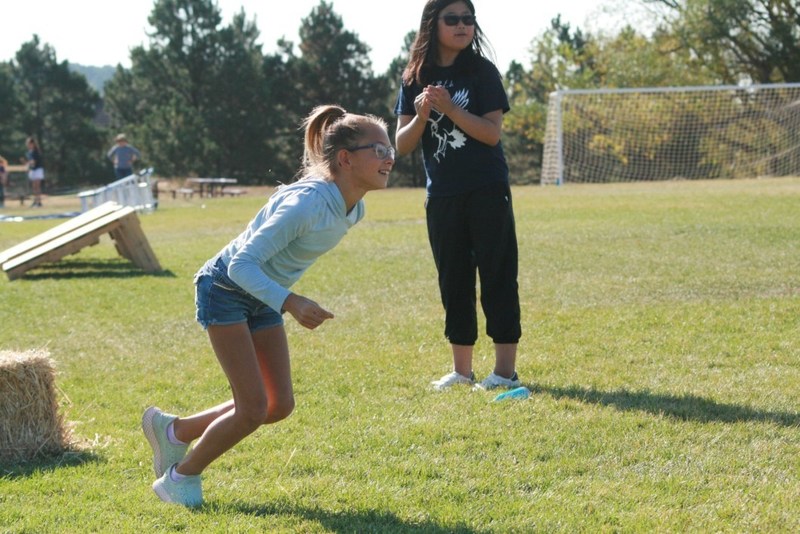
242, 291
35, 170
452, 99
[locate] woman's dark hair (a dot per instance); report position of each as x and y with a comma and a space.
422, 55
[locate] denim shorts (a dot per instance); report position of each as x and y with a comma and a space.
220, 301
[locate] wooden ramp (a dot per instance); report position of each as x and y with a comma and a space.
120, 222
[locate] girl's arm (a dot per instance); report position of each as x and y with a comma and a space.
411, 127
305, 311
409, 132
274, 233
486, 129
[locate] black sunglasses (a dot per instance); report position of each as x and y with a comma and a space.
452, 20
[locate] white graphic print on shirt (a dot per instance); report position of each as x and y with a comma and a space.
455, 137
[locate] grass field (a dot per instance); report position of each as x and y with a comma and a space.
660, 338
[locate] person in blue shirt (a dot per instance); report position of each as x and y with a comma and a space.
452, 101
243, 290
123, 155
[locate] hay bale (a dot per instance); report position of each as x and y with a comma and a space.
30, 424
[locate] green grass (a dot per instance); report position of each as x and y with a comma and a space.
661, 341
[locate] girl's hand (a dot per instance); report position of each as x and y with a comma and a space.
305, 311
423, 106
439, 98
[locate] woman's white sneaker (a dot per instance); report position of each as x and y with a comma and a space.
496, 381
451, 379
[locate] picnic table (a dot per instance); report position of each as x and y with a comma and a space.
211, 187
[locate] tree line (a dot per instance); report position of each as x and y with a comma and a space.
203, 99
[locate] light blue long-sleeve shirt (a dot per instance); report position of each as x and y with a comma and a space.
299, 223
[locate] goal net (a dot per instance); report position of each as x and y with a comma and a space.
620, 135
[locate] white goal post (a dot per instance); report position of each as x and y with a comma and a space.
672, 133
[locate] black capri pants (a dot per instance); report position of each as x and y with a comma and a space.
475, 232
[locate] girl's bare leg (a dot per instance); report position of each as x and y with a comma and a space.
259, 373
462, 359
505, 359
189, 428
37, 190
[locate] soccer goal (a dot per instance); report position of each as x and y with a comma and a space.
672, 133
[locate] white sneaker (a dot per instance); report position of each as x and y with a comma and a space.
451, 379
496, 381
188, 491
165, 453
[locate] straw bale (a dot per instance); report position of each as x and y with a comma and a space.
30, 423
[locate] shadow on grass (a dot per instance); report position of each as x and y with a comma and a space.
685, 407
76, 269
69, 458
348, 521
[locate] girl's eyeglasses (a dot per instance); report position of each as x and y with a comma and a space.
381, 151
452, 20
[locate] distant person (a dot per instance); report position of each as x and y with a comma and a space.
452, 101
243, 290
123, 156
35, 163
3, 180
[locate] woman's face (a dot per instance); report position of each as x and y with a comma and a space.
456, 27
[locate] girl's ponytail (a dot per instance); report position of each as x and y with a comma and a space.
316, 126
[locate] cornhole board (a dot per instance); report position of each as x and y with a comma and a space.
120, 222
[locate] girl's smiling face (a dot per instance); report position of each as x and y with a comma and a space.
370, 171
